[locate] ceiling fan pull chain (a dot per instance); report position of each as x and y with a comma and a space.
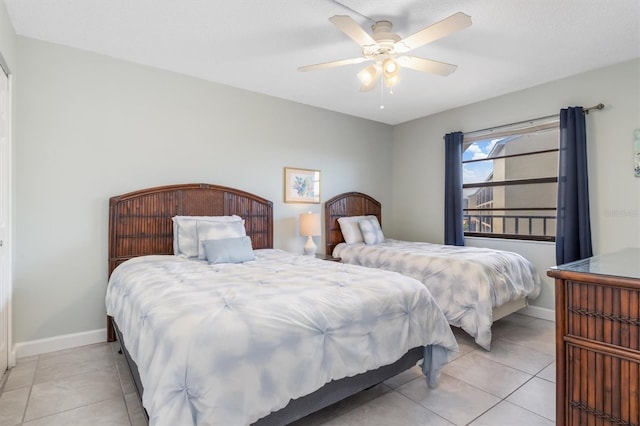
381, 94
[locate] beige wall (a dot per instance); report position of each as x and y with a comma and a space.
92, 127
418, 177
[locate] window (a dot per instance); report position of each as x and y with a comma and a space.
510, 183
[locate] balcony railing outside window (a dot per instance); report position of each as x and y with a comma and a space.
514, 226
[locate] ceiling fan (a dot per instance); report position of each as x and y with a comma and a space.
387, 50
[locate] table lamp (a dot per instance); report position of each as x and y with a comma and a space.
309, 227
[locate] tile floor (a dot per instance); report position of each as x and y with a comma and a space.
511, 385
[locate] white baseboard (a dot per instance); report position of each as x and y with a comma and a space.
538, 312
58, 343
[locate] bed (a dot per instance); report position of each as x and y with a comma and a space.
473, 286
266, 341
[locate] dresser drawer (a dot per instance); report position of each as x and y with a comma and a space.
607, 314
604, 387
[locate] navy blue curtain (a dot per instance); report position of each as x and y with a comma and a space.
573, 227
453, 232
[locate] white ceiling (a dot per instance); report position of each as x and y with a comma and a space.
257, 45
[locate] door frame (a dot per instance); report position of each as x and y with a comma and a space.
8, 238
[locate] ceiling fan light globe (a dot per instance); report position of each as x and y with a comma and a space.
368, 76
390, 68
365, 77
391, 81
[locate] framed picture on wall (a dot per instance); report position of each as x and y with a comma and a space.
301, 185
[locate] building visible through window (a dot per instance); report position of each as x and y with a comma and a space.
510, 184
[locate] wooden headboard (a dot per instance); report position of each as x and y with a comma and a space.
347, 204
140, 222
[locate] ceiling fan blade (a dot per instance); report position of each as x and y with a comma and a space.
347, 25
447, 26
332, 64
426, 65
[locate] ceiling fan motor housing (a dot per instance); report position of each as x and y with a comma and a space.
385, 40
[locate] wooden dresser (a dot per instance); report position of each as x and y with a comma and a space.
598, 340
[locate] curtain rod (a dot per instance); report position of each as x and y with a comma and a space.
490, 129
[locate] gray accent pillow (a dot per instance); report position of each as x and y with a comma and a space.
229, 250
371, 230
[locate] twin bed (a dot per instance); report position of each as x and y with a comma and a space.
473, 286
237, 336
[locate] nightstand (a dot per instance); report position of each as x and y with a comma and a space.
328, 257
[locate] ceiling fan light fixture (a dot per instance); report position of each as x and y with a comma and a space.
390, 68
390, 72
368, 77
391, 81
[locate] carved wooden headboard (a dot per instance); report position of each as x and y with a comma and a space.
347, 204
140, 222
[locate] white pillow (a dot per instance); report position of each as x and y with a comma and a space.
350, 229
371, 230
208, 230
185, 234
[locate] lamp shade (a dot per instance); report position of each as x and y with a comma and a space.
310, 224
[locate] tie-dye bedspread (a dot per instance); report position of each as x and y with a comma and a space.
227, 344
467, 282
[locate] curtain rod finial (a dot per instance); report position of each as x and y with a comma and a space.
598, 107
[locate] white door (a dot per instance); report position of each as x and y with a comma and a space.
5, 214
